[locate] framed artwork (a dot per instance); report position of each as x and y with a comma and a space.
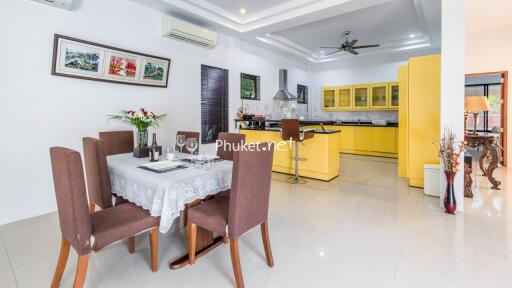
302, 94
249, 86
92, 61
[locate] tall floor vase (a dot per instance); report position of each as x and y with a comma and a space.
450, 203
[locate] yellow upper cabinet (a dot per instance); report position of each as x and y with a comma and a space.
361, 97
329, 98
394, 95
379, 96
345, 98
374, 96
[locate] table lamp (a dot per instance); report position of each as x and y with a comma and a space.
476, 104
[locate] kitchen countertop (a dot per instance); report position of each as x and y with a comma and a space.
316, 131
328, 122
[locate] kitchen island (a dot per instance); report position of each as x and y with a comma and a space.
321, 152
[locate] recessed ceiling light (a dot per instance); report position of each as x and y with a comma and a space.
322, 51
412, 35
242, 11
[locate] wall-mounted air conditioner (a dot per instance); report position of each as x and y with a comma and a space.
178, 29
63, 4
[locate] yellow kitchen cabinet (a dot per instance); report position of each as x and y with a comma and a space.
347, 138
345, 98
394, 95
329, 98
403, 146
379, 96
361, 97
364, 138
384, 139
424, 106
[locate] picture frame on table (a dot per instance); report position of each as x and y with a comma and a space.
87, 60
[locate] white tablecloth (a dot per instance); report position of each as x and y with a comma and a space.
165, 194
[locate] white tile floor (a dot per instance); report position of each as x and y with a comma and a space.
365, 229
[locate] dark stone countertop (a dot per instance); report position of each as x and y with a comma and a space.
316, 131
328, 122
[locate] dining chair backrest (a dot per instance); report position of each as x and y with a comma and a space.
188, 135
68, 179
117, 142
98, 179
290, 129
250, 189
227, 143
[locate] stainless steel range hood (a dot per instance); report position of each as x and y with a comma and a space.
283, 94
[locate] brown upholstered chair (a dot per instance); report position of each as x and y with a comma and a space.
227, 143
98, 179
117, 142
188, 135
87, 232
291, 131
246, 207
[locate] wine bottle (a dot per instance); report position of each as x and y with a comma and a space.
153, 152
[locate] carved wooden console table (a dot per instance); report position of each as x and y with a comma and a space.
491, 154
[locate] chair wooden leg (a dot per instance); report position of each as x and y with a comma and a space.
153, 243
61, 265
266, 244
81, 271
131, 244
192, 235
226, 240
92, 207
235, 261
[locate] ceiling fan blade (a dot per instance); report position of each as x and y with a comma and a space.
352, 43
353, 51
335, 51
365, 46
330, 47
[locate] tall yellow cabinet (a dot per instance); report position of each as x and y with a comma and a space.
419, 116
403, 79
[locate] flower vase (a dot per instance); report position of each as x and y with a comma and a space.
450, 204
142, 138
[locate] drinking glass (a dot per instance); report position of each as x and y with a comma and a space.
206, 160
192, 145
170, 153
180, 141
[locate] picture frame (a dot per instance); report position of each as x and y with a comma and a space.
302, 94
76, 58
249, 87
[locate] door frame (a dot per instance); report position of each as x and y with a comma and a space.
504, 94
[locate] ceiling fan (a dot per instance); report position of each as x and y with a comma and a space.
348, 46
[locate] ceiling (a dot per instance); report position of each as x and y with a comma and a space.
299, 27
482, 16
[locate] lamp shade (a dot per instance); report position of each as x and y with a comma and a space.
475, 104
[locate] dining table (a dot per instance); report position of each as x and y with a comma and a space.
166, 194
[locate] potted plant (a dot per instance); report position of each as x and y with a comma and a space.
140, 119
450, 151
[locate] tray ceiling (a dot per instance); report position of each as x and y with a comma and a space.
300, 27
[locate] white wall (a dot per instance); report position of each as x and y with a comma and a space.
40, 110
452, 84
257, 61
489, 51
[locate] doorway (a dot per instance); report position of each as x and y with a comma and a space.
494, 86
